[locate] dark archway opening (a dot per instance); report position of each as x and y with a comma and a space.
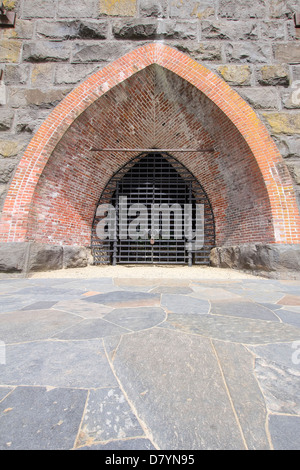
153, 211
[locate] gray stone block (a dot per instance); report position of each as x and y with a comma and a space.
6, 118
287, 53
259, 258
229, 30
236, 9
94, 52
202, 51
41, 51
76, 29
13, 257
261, 98
75, 257
248, 52
38, 9
45, 257
154, 8
7, 167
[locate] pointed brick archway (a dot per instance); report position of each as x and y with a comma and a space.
153, 97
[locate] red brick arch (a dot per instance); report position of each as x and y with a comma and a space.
20, 200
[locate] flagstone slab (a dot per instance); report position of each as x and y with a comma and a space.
4, 391
176, 387
83, 309
35, 294
78, 364
53, 427
234, 329
172, 290
248, 401
119, 299
280, 386
287, 355
290, 300
184, 304
42, 305
31, 325
136, 319
213, 293
91, 329
107, 416
128, 444
243, 309
285, 432
290, 317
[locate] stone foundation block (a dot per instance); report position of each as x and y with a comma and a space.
272, 261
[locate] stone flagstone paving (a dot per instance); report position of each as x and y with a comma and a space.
130, 364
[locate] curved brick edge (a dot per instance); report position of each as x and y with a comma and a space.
271, 261
286, 218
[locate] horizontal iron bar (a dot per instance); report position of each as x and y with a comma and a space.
204, 150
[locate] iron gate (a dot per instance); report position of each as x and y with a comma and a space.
146, 182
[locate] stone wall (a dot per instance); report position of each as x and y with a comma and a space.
57, 44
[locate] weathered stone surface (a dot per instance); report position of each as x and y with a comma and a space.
72, 73
12, 257
233, 329
80, 364
76, 29
10, 148
45, 257
56, 424
29, 120
23, 97
289, 146
248, 52
261, 98
135, 29
23, 30
285, 432
41, 51
42, 75
236, 74
273, 30
294, 168
283, 123
287, 53
108, 416
83, 52
202, 51
151, 29
229, 30
82, 9
178, 385
153, 8
291, 97
7, 167
6, 118
280, 9
75, 257
10, 50
259, 258
17, 74
37, 9
248, 400
279, 385
273, 75
237, 9
190, 9
118, 7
